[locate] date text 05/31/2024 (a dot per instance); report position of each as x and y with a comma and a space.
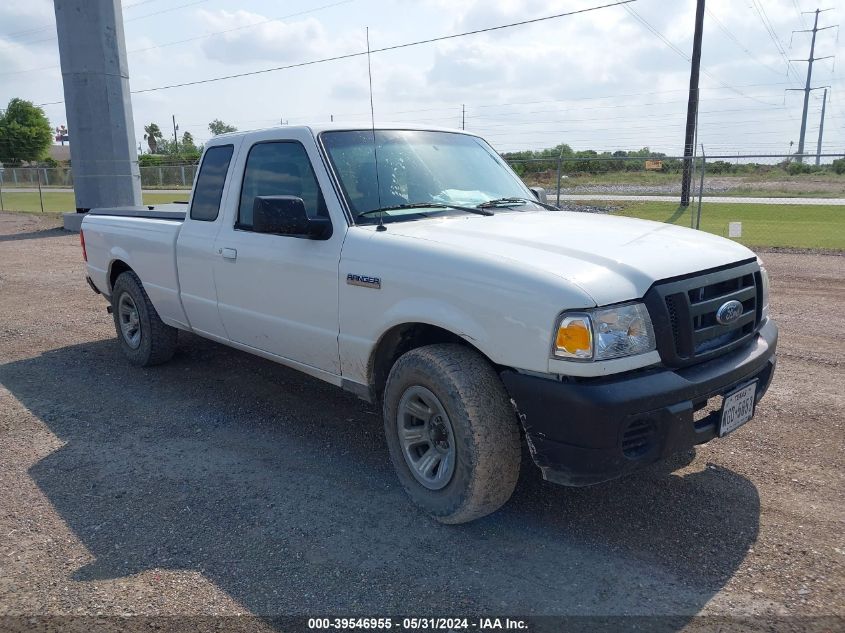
418, 624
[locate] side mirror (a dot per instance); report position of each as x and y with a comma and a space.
285, 215
540, 194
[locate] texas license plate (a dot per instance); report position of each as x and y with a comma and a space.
738, 408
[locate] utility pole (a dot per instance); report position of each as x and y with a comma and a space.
821, 130
463, 116
692, 105
95, 75
175, 137
807, 89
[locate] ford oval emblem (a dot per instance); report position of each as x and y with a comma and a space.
729, 312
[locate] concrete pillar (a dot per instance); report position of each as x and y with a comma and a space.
99, 110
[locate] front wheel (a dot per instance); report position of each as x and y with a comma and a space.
451, 431
144, 338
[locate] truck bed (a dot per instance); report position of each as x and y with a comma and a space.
175, 212
144, 239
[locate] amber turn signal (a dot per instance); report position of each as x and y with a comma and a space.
574, 337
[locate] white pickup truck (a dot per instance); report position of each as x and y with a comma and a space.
413, 268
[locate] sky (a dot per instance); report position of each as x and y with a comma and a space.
611, 79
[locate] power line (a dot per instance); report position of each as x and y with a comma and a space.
657, 33
677, 50
800, 13
574, 100
137, 17
376, 50
52, 25
199, 37
739, 44
770, 30
240, 28
449, 112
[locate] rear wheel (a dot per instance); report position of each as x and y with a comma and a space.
144, 338
451, 432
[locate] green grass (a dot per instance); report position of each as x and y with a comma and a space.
795, 226
55, 202
763, 225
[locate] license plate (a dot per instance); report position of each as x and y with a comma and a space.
738, 408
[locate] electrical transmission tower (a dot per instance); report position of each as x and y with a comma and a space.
807, 89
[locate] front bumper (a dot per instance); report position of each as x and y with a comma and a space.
579, 433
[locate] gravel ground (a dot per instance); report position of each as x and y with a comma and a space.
717, 185
711, 186
221, 483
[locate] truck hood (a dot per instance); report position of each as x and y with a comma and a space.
610, 258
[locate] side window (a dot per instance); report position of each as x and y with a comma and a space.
279, 168
209, 188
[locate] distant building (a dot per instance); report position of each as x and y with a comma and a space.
60, 152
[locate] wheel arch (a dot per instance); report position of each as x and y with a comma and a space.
404, 337
116, 268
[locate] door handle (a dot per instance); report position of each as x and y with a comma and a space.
228, 253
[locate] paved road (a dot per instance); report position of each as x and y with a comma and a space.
731, 199
580, 196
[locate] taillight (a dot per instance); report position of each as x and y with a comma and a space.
82, 243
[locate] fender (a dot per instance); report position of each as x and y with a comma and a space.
357, 353
441, 314
162, 298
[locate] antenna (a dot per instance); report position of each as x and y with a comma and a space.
381, 226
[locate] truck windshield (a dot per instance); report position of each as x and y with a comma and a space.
416, 168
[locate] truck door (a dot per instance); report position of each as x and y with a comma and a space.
278, 293
195, 253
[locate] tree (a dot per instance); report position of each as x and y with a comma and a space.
166, 147
25, 133
153, 136
188, 144
218, 127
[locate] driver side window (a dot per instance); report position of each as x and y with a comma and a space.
279, 168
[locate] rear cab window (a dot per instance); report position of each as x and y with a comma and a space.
205, 205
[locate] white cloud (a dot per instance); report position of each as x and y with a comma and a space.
598, 79
349, 90
467, 66
28, 38
277, 41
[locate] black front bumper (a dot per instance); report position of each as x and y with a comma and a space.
580, 432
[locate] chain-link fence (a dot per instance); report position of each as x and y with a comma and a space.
50, 189
759, 200
765, 201
152, 177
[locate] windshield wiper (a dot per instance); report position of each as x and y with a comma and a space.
503, 202
428, 205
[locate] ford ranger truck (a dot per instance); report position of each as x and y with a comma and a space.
413, 268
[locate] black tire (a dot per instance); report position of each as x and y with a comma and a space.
156, 341
483, 424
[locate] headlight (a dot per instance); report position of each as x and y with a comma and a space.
605, 333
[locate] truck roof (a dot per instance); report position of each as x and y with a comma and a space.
317, 128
